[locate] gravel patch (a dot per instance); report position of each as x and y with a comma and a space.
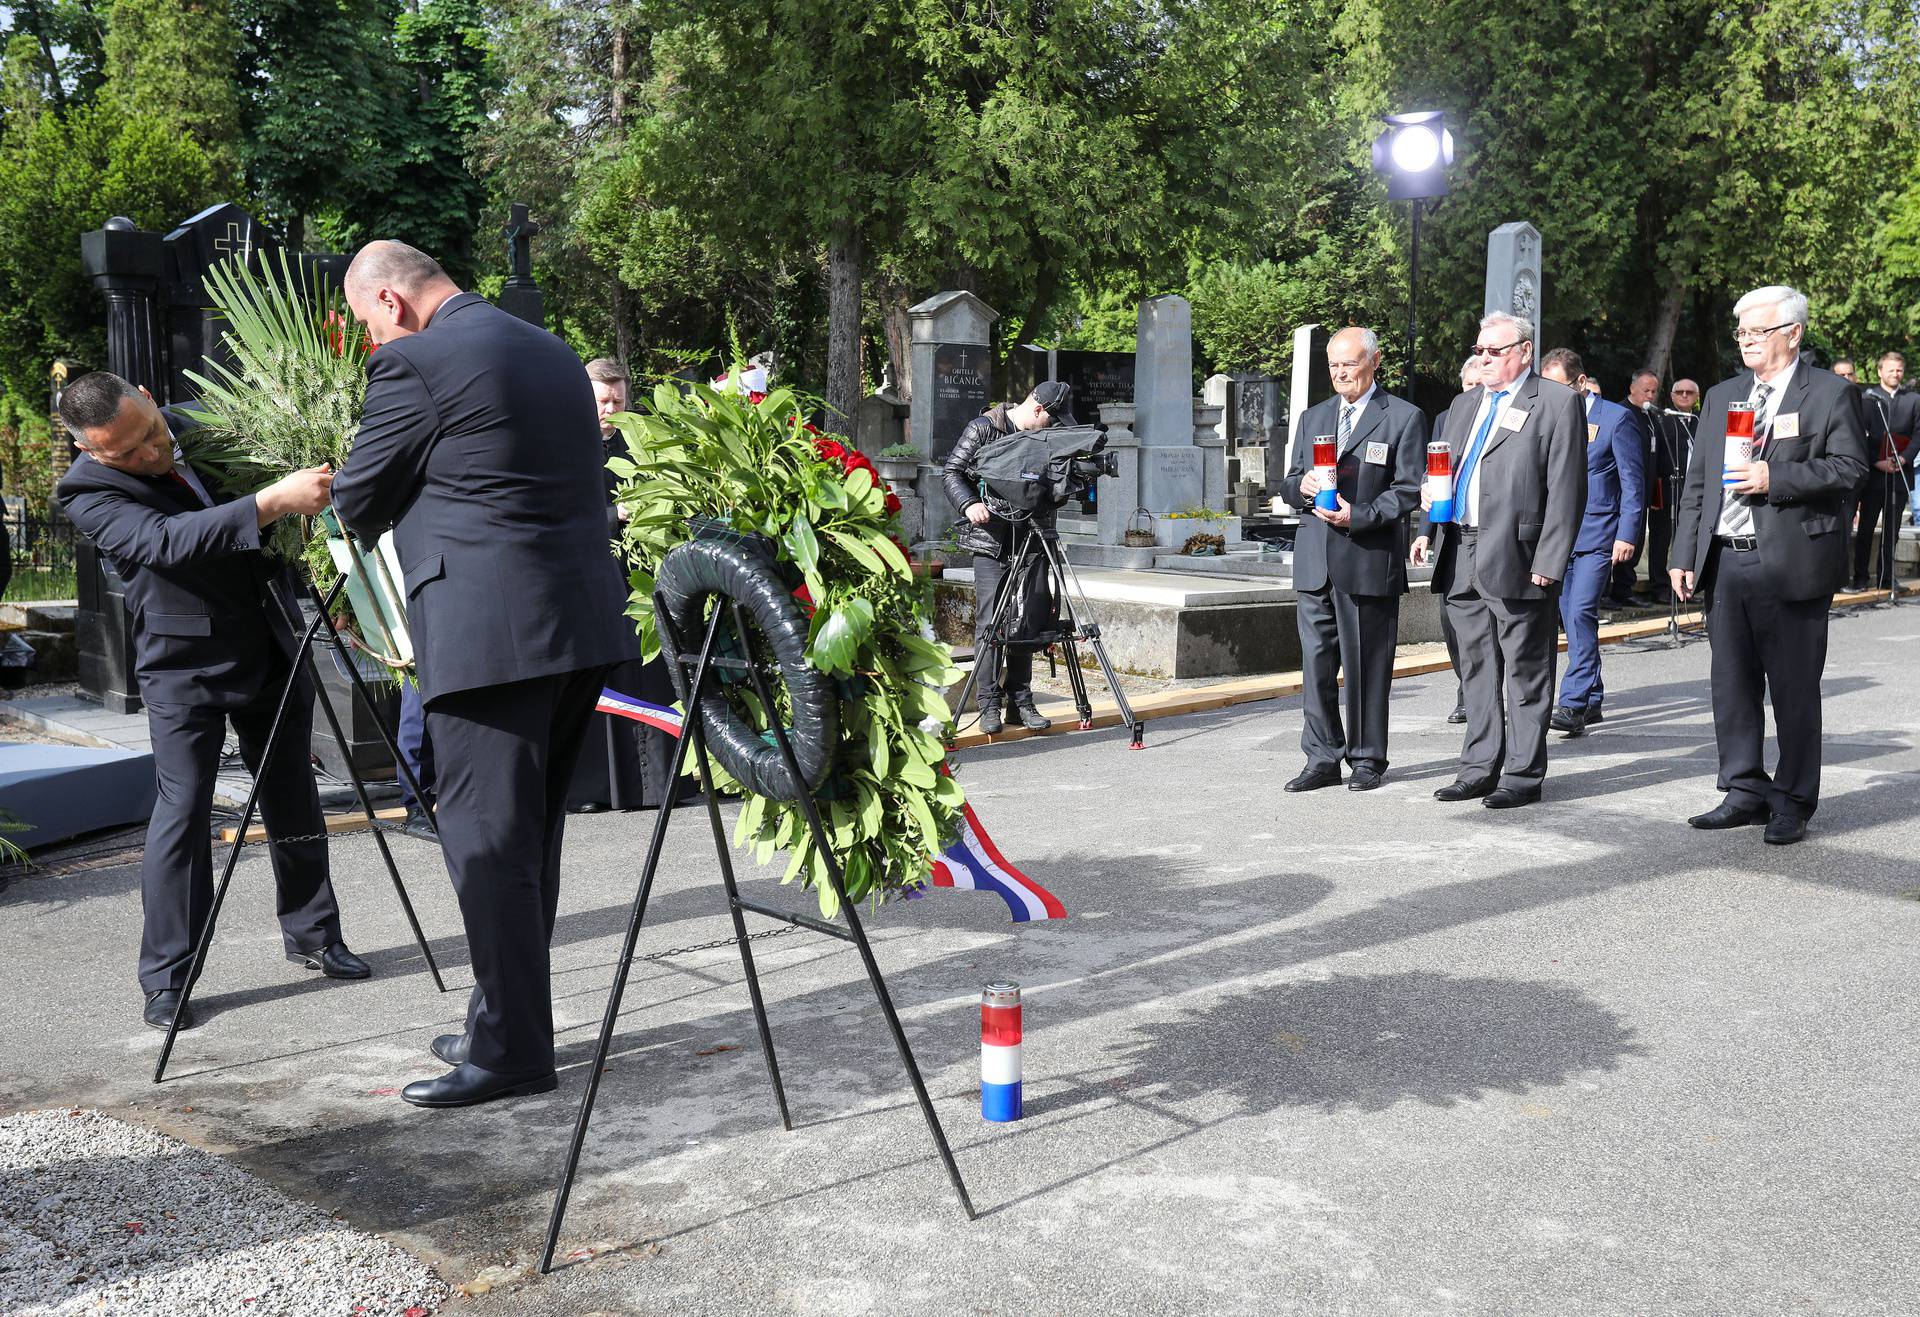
101, 1217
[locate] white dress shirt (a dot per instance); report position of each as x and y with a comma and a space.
1471, 494
1736, 510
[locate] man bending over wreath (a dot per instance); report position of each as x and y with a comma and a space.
480, 448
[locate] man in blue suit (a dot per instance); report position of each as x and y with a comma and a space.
1616, 500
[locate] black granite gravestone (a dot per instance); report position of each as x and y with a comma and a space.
960, 375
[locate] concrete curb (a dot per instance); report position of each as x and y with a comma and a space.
1279, 685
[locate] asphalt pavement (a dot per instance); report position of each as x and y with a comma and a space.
1339, 1053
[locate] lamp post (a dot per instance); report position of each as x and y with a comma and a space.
1412, 155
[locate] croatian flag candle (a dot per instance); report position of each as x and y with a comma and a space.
1439, 481
1000, 1052
1739, 450
1326, 457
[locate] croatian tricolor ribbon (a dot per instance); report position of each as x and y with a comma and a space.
671, 721
973, 863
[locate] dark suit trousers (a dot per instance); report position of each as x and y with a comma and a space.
176, 873
1659, 542
1355, 634
1508, 649
505, 755
1765, 645
1882, 499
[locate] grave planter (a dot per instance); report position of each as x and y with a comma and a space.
1173, 532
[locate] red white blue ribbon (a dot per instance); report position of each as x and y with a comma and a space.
974, 863
670, 721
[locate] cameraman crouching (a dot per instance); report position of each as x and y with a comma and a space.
992, 540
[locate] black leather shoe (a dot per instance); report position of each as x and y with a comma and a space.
1364, 779
1510, 798
1571, 721
587, 807
1465, 790
452, 1048
1858, 585
1459, 714
334, 961
415, 825
1784, 830
468, 1085
1315, 778
161, 1006
1593, 714
1030, 717
1725, 815
991, 722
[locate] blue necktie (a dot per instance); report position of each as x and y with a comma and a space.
1473, 453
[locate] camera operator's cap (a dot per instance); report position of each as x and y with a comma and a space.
1056, 397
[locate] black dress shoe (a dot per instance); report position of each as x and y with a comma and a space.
1511, 798
1725, 815
415, 824
1459, 714
1465, 790
334, 961
161, 1006
1858, 585
1364, 779
588, 807
452, 1048
1784, 830
468, 1085
1571, 721
1315, 778
991, 723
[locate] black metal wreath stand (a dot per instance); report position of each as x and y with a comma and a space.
303, 661
691, 675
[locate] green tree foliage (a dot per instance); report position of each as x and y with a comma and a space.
58, 179
174, 61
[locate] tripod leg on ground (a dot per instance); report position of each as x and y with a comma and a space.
691, 733
992, 654
1077, 679
359, 786
1069, 587
239, 839
819, 833
725, 852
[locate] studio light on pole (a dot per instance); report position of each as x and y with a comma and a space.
1412, 155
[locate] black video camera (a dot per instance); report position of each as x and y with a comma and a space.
1031, 470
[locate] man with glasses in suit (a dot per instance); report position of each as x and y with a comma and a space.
1765, 541
1520, 488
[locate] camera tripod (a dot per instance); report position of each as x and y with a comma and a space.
1031, 543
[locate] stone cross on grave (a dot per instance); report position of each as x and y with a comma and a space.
519, 234
236, 241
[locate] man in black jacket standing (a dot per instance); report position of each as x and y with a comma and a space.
1350, 563
994, 546
1768, 550
480, 447
213, 644
1892, 419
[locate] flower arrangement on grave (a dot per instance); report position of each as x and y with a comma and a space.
753, 465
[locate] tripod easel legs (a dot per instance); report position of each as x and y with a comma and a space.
693, 738
302, 662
